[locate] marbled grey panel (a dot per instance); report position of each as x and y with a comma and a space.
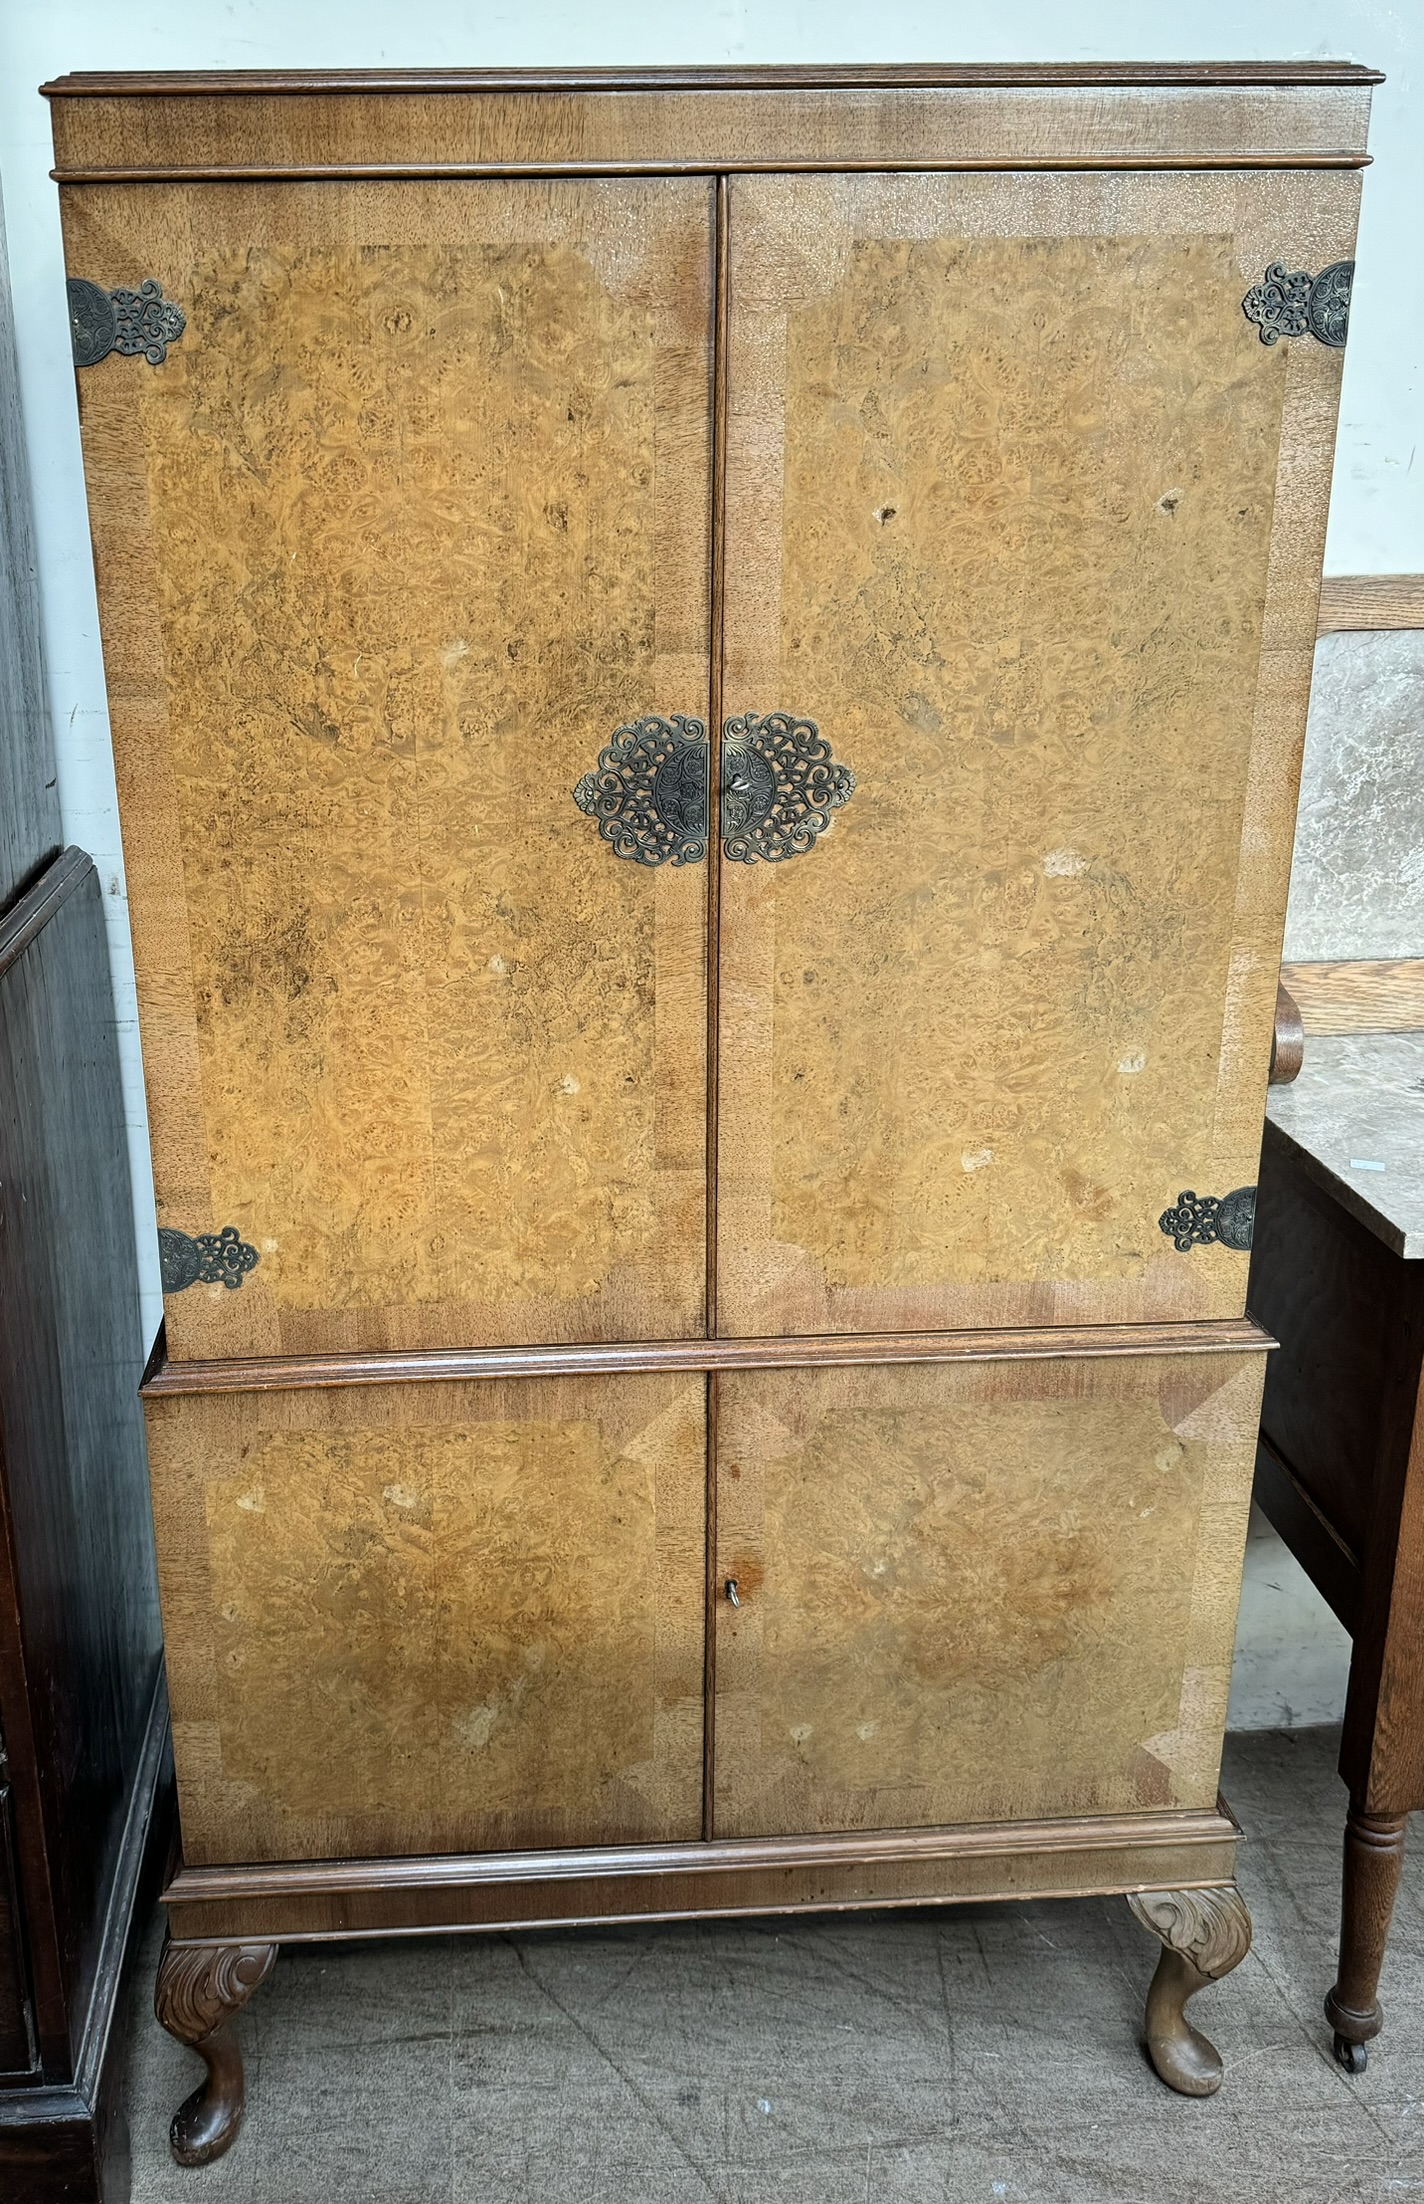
1357, 1113
1357, 887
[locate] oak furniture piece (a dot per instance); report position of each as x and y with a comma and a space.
698, 1377
83, 1730
1338, 1273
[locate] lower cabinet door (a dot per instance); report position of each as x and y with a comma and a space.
977, 1591
434, 1617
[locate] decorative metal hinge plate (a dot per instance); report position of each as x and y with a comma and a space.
204, 1258
1198, 1219
1299, 305
648, 791
780, 785
101, 322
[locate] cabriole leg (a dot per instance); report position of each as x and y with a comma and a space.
1204, 1934
1374, 1855
199, 1988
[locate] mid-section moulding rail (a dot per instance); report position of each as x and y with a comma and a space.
276, 1373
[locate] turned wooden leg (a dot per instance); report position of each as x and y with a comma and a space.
1204, 1933
1374, 1855
199, 1988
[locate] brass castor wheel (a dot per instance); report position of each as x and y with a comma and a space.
1354, 2057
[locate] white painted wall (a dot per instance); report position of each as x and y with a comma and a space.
1377, 514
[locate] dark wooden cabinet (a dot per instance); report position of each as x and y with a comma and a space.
82, 1705
1340, 1469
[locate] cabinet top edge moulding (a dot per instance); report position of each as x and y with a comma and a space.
296, 125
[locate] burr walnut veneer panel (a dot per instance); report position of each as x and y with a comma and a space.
411, 519
624, 1229
434, 1619
977, 1593
1026, 517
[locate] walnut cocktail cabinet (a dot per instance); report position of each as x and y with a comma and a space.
707, 675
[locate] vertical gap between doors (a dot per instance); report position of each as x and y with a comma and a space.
716, 623
716, 626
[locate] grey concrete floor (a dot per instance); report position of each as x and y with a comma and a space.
927, 2057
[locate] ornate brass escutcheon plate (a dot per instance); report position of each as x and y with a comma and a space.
649, 790
780, 785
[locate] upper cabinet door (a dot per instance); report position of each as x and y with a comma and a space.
410, 521
1027, 519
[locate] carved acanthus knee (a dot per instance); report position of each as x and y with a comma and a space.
1204, 1934
199, 1988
